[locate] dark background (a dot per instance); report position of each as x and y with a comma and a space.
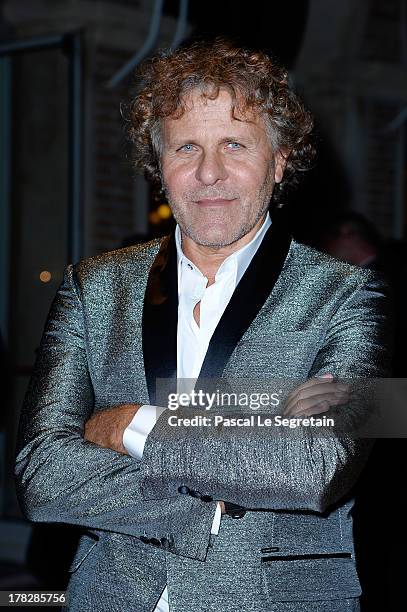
68, 190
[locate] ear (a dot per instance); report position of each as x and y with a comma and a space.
280, 162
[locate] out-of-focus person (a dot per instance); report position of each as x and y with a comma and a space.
351, 237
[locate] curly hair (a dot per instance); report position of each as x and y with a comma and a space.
255, 82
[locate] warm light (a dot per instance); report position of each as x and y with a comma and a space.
45, 276
164, 211
154, 217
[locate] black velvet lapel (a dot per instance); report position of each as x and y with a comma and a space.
249, 296
160, 317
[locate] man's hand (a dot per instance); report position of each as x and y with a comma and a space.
106, 427
316, 395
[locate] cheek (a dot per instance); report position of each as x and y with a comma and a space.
176, 179
249, 178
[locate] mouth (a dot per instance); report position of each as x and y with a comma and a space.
215, 201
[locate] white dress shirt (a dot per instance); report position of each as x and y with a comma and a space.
193, 340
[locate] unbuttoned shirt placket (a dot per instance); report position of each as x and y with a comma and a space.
213, 300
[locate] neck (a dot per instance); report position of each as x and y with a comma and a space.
209, 259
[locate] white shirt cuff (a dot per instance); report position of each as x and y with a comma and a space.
136, 432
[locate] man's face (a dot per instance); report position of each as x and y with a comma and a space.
218, 172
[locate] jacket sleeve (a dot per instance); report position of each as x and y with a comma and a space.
60, 477
257, 470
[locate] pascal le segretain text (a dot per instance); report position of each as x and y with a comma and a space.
253, 420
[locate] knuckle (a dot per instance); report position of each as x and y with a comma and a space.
302, 404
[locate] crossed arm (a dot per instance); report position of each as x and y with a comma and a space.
62, 477
276, 472
106, 427
310, 473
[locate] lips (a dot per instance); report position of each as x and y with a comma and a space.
214, 201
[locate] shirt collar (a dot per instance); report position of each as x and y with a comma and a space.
242, 257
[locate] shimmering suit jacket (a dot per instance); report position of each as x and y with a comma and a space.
110, 332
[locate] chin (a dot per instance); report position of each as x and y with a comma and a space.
215, 239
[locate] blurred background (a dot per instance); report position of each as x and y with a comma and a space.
68, 191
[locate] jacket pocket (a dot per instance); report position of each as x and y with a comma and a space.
87, 542
310, 577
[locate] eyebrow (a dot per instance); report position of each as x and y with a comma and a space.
234, 138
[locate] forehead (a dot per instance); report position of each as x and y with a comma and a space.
202, 112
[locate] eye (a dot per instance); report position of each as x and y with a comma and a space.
186, 148
234, 145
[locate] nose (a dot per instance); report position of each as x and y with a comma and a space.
211, 168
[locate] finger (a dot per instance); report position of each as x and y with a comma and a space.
333, 398
312, 382
317, 388
303, 403
316, 409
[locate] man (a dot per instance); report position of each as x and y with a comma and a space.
205, 518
